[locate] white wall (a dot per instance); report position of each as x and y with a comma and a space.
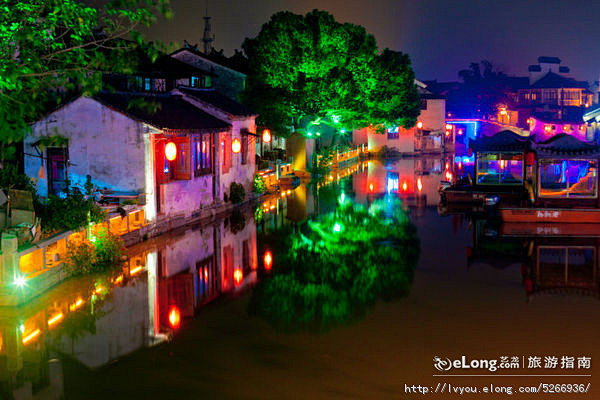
103, 143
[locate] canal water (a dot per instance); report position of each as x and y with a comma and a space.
179, 321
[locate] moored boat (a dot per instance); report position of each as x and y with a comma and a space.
565, 177
499, 171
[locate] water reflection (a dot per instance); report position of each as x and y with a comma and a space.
469, 263
96, 320
338, 265
559, 259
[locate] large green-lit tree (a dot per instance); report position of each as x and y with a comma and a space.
52, 48
306, 69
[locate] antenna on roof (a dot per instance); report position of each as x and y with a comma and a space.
207, 39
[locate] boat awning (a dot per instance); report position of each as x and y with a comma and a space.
566, 146
501, 141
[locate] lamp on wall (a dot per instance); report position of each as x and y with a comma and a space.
266, 136
42, 171
236, 145
170, 151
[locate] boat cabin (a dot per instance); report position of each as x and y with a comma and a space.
566, 173
499, 159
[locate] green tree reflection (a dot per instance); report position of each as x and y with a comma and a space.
339, 266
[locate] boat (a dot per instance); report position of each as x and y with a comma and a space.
565, 178
499, 171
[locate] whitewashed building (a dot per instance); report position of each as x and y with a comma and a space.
156, 135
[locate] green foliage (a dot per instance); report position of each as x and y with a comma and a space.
339, 267
258, 184
10, 178
310, 67
51, 44
70, 213
104, 253
109, 250
237, 193
259, 214
81, 258
237, 221
320, 166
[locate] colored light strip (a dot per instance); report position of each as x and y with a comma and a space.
77, 304
31, 336
55, 319
136, 270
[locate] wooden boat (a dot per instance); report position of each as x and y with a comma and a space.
566, 184
499, 171
551, 215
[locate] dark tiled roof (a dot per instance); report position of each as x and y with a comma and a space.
219, 101
563, 144
570, 115
555, 81
535, 68
235, 62
501, 141
549, 60
171, 113
432, 96
169, 67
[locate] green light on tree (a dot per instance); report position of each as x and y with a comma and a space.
305, 68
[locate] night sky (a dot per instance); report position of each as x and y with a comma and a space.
441, 36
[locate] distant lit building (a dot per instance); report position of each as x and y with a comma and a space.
427, 136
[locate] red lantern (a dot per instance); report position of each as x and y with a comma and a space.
236, 145
170, 151
266, 136
419, 125
174, 317
530, 159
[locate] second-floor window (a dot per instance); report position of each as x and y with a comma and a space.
202, 154
202, 81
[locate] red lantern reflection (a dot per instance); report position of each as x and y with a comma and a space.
174, 317
268, 260
238, 276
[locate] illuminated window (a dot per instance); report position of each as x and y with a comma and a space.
202, 154
568, 178
567, 128
194, 81
147, 84
393, 182
244, 151
207, 283
393, 133
500, 169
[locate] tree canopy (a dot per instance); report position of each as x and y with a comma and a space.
50, 48
484, 88
307, 68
